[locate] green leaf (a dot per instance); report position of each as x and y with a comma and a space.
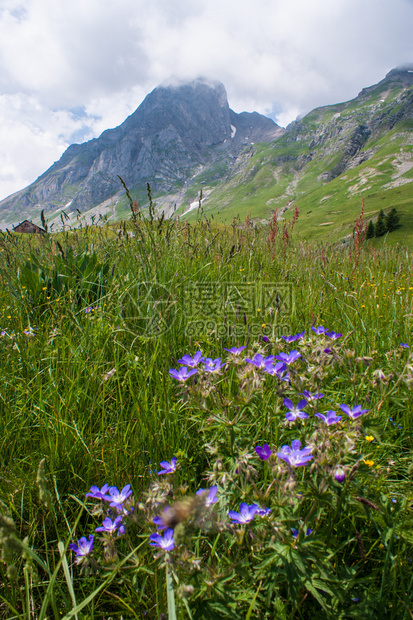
170, 594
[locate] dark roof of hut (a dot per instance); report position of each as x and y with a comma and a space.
28, 227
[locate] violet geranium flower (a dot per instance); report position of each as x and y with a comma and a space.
211, 498
288, 358
353, 413
310, 397
294, 338
211, 365
159, 522
263, 452
330, 417
294, 456
187, 360
259, 360
83, 548
167, 542
263, 512
245, 515
183, 373
97, 493
110, 527
235, 350
333, 335
277, 369
117, 497
295, 411
319, 330
168, 468
296, 532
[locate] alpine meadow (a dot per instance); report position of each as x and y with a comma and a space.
206, 367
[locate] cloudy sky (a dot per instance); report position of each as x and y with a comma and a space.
70, 70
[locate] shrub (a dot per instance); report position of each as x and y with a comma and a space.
392, 220
380, 228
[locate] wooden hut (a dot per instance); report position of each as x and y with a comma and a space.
28, 227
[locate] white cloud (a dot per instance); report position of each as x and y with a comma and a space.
104, 56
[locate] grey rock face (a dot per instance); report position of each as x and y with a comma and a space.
175, 129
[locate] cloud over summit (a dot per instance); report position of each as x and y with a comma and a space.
101, 58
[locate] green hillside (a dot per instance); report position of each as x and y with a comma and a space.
326, 164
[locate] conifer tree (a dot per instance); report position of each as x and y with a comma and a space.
392, 220
380, 228
370, 230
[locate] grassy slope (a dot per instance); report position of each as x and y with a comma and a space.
272, 176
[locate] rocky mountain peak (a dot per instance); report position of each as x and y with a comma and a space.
198, 111
178, 128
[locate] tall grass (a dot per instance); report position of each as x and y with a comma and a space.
93, 319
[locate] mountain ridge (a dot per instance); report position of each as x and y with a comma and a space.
191, 121
185, 138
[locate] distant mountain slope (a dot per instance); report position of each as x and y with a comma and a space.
327, 161
185, 139
173, 132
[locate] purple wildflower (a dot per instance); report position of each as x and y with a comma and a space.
333, 335
265, 339
117, 497
245, 515
310, 397
97, 493
159, 522
403, 344
83, 548
259, 360
187, 360
294, 456
288, 358
295, 411
353, 413
263, 452
330, 417
166, 543
211, 497
263, 512
294, 338
168, 468
182, 374
279, 369
235, 350
296, 532
319, 330
109, 527
211, 365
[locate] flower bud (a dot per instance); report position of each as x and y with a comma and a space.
379, 375
340, 474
